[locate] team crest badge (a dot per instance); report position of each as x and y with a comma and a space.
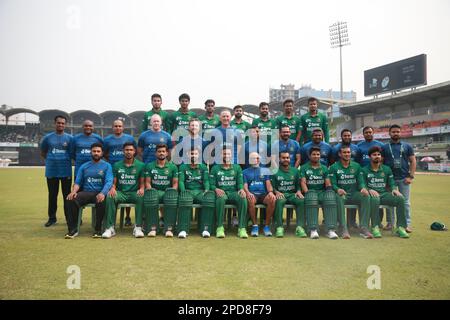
65, 144
166, 171
101, 172
352, 170
161, 139
382, 174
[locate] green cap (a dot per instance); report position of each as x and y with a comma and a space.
438, 226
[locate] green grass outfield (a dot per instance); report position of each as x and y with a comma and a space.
34, 259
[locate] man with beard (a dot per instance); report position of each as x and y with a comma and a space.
312, 120
237, 122
55, 149
347, 181
265, 124
114, 151
161, 185
194, 188
325, 148
156, 109
92, 184
226, 181
383, 190
290, 120
128, 187
399, 156
81, 146
286, 185
285, 144
316, 187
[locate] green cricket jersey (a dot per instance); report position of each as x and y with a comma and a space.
315, 177
243, 125
350, 179
209, 123
229, 179
286, 181
179, 119
193, 178
381, 180
147, 116
294, 124
309, 123
265, 126
128, 177
161, 178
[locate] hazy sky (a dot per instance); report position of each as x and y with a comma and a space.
112, 55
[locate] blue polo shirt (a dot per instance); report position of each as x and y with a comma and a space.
396, 156
148, 141
95, 177
229, 137
256, 179
356, 153
114, 146
81, 148
291, 146
261, 148
325, 152
58, 162
183, 148
364, 147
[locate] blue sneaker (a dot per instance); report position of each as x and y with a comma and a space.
255, 231
267, 231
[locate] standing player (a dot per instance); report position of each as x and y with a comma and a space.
55, 149
316, 187
259, 190
237, 122
285, 144
313, 119
291, 120
194, 188
325, 148
383, 190
399, 156
265, 124
181, 152
149, 139
180, 118
347, 180
114, 150
161, 185
286, 184
81, 146
156, 109
128, 187
92, 184
209, 120
226, 181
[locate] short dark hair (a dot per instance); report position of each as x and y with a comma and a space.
184, 96
394, 126
97, 145
129, 143
156, 95
61, 116
374, 149
281, 152
314, 149
344, 146
317, 129
262, 104
366, 128
285, 126
161, 146
237, 107
288, 101
312, 99
194, 148
345, 130
210, 101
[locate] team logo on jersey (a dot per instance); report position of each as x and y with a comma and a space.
261, 177
352, 170
64, 144
166, 171
382, 174
101, 173
133, 171
161, 139
291, 149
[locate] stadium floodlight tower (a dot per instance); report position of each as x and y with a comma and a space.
338, 39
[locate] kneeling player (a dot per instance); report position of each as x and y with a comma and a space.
161, 184
128, 187
194, 188
383, 190
318, 191
286, 184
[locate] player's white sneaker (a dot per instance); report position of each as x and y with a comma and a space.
182, 235
152, 233
205, 234
169, 234
314, 234
137, 232
109, 233
332, 235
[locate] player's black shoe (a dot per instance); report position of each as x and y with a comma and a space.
71, 235
50, 223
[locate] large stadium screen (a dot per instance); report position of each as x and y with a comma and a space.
398, 75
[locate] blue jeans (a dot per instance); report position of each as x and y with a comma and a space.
405, 191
